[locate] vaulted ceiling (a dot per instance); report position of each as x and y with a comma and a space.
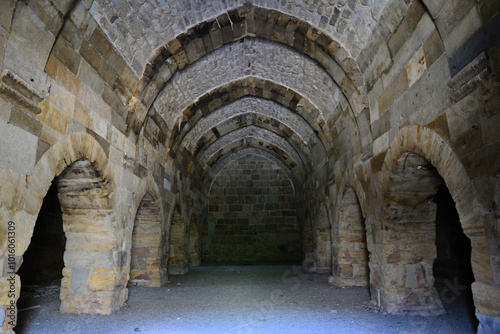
281, 78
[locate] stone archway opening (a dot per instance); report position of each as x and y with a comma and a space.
72, 243
147, 265
41, 270
419, 228
252, 218
452, 268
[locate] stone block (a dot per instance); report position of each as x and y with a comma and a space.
25, 121
435, 6
91, 56
33, 77
31, 36
90, 241
488, 9
452, 13
90, 77
433, 48
48, 14
489, 130
53, 117
61, 99
81, 113
69, 81
463, 30
433, 81
416, 66
66, 55
101, 44
72, 35
102, 279
107, 74
6, 13
79, 279
398, 38
481, 267
13, 141
83, 259
486, 298
488, 324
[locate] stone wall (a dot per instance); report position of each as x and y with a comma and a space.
364, 84
251, 215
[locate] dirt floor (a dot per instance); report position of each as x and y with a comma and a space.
245, 299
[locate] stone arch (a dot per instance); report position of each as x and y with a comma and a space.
238, 23
255, 143
259, 136
247, 86
223, 162
350, 254
264, 110
79, 166
253, 119
148, 259
55, 160
322, 241
178, 261
420, 152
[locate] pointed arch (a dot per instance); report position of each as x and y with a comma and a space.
415, 165
148, 240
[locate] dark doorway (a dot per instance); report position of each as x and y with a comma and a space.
41, 270
452, 267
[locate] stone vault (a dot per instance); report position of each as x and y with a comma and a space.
317, 132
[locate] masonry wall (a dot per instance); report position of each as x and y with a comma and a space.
64, 94
426, 79
251, 216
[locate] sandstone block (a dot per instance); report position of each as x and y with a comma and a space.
31, 36
14, 140
102, 279
486, 298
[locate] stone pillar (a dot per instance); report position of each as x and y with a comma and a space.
95, 274
408, 254
94, 277
323, 243
194, 242
178, 253
350, 266
308, 263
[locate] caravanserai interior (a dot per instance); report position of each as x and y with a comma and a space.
348, 146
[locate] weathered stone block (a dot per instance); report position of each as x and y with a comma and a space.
486, 298
67, 55
102, 279
31, 36
15, 140
6, 12
462, 31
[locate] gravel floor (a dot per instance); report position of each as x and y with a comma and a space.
239, 300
